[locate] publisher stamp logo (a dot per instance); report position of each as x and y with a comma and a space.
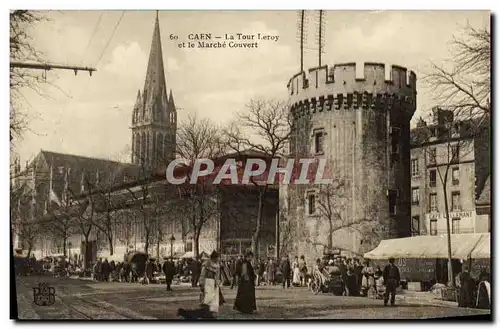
44, 295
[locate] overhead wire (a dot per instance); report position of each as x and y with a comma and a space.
92, 36
110, 38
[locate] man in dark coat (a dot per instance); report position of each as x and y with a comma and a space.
236, 269
105, 270
286, 269
169, 271
98, 269
466, 291
391, 281
358, 269
195, 272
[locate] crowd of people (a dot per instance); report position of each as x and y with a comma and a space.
358, 278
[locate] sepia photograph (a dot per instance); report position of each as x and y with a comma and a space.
250, 164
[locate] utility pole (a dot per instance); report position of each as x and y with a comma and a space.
48, 67
302, 36
321, 37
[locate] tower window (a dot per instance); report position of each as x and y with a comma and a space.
415, 225
433, 206
311, 204
455, 176
414, 168
432, 156
433, 226
432, 178
319, 138
415, 195
455, 226
393, 197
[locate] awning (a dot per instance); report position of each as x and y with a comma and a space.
482, 250
431, 246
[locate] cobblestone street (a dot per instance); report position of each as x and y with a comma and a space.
79, 299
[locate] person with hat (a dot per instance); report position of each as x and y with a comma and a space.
211, 297
245, 297
169, 271
391, 281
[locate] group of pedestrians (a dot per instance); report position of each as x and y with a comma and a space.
210, 282
474, 292
357, 279
104, 271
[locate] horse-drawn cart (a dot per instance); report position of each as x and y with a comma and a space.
327, 280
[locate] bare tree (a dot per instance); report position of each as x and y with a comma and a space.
126, 222
60, 221
84, 204
198, 139
266, 128
22, 49
330, 202
24, 220
465, 86
105, 202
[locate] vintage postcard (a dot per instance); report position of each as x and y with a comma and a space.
258, 165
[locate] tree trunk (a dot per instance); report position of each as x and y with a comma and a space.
330, 235
256, 234
110, 242
451, 280
30, 247
158, 249
196, 244
146, 244
65, 242
86, 244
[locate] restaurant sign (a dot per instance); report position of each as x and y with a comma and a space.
453, 214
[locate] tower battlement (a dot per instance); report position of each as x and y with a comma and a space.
349, 78
351, 86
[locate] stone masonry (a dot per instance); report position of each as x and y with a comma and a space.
361, 116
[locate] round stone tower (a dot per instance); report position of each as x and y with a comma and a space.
358, 118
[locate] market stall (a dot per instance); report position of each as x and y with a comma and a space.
422, 258
463, 246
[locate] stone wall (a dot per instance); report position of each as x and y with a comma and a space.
364, 119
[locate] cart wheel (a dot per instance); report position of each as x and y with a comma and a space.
315, 287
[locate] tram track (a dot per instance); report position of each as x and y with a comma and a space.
91, 309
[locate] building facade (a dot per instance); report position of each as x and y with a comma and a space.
455, 155
358, 118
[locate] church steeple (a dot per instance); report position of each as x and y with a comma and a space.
154, 120
154, 84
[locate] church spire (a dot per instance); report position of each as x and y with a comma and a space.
154, 84
171, 103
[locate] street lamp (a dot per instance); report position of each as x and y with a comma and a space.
172, 239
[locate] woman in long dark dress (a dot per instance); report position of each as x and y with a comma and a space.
465, 298
245, 298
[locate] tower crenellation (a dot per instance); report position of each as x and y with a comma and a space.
344, 85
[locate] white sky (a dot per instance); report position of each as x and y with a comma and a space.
91, 115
